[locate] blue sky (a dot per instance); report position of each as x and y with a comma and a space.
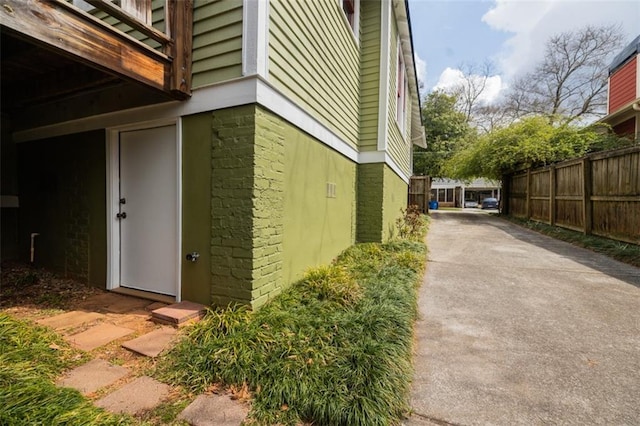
509, 33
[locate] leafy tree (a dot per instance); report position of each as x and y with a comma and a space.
571, 81
531, 142
445, 127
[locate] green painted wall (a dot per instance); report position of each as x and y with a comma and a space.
381, 195
370, 198
62, 190
317, 225
395, 198
314, 59
271, 217
247, 198
370, 21
196, 207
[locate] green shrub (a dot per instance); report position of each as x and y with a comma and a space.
334, 349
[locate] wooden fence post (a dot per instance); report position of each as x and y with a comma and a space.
586, 193
552, 195
528, 198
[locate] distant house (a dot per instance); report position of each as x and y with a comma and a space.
623, 106
207, 150
453, 193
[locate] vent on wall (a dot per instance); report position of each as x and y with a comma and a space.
331, 190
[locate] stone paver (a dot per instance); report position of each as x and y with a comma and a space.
151, 344
98, 336
179, 313
142, 394
214, 410
92, 376
70, 319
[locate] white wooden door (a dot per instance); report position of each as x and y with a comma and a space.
149, 210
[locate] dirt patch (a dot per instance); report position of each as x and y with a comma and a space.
28, 291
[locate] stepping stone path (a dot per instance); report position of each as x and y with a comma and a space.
92, 376
151, 344
98, 336
214, 410
144, 393
103, 318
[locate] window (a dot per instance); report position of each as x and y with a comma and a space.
442, 195
401, 91
351, 9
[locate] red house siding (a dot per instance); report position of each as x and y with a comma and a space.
626, 128
622, 86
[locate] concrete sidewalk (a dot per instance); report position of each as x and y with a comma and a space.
518, 328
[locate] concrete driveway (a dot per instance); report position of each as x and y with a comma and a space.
518, 328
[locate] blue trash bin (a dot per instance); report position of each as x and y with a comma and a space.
433, 205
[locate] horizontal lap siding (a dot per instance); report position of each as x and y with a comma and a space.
217, 38
370, 98
217, 41
622, 86
398, 147
314, 60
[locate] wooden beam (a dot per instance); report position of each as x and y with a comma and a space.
59, 27
180, 28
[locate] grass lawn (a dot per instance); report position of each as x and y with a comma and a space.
334, 349
624, 252
31, 357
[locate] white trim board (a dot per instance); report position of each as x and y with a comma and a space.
242, 91
383, 88
369, 157
255, 37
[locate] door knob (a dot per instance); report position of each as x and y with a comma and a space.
193, 256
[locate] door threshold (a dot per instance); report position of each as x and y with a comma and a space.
145, 295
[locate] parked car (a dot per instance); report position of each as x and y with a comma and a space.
490, 203
470, 204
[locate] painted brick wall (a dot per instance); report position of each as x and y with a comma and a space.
370, 199
268, 205
246, 202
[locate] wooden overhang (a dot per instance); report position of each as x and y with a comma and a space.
59, 27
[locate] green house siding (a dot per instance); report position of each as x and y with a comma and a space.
398, 146
314, 59
62, 186
317, 224
370, 19
217, 41
196, 206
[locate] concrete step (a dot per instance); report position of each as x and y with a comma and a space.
97, 336
179, 314
142, 394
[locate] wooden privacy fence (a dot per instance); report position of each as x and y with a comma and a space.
419, 192
598, 194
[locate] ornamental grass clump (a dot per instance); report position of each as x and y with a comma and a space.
334, 349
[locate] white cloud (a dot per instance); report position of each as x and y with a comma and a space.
533, 22
453, 77
421, 70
